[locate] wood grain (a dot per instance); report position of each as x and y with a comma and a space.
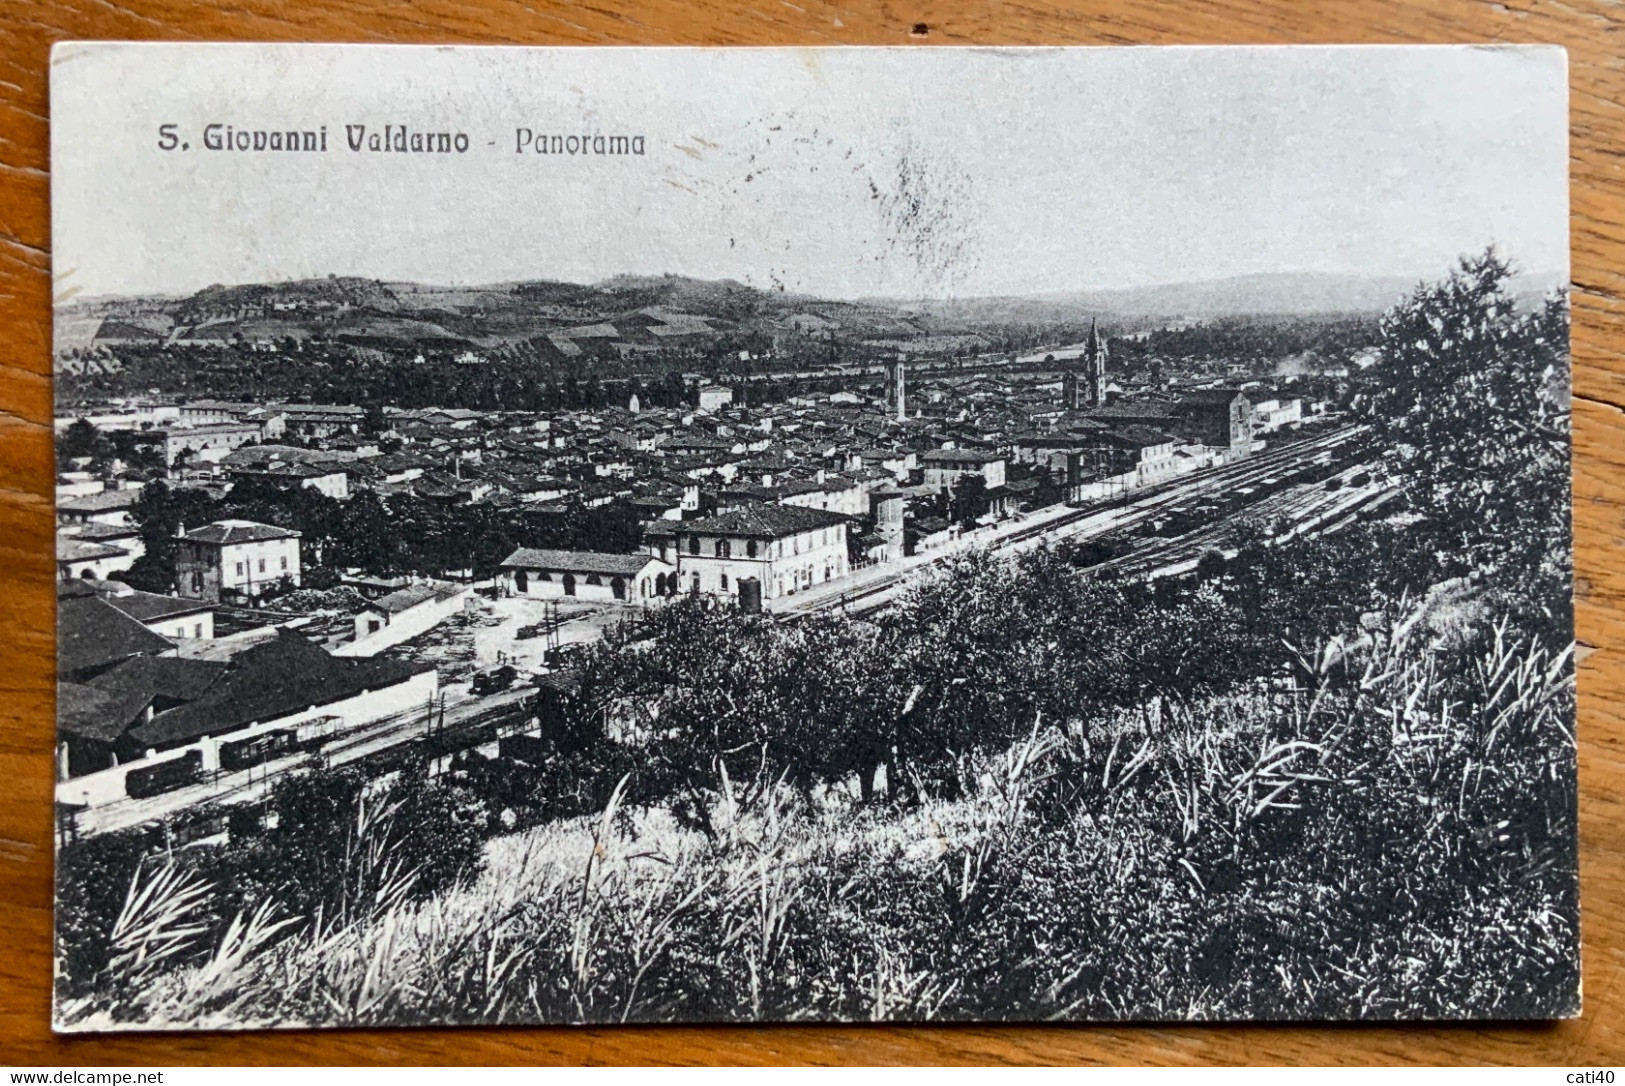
1593, 31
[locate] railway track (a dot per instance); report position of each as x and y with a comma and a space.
377, 746
1306, 509
1266, 469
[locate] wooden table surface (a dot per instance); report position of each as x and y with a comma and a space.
1593, 31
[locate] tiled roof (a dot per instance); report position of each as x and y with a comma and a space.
102, 533
625, 565
151, 607
87, 713
345, 410
181, 433
960, 456
278, 678
260, 454
69, 549
105, 502
1209, 396
1142, 409
145, 680
1139, 436
406, 598
762, 522
225, 532
93, 633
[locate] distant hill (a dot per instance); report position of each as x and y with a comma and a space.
1266, 294
641, 312
633, 313
336, 290
1271, 293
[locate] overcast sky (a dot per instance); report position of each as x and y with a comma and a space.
842, 173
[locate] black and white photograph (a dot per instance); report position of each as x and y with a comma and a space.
665, 535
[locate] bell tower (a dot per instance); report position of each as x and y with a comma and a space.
897, 390
1095, 368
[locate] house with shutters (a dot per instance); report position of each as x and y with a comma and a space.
235, 560
783, 548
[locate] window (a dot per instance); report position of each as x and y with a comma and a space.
750, 548
239, 569
724, 548
696, 584
262, 565
593, 578
372, 625
197, 630
722, 582
693, 544
197, 581
569, 584
284, 562
180, 631
521, 581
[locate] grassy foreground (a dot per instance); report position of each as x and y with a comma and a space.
1365, 847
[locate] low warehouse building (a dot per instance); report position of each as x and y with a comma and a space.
149, 713
403, 614
584, 575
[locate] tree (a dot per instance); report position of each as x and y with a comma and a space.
80, 439
1210, 565
968, 500
1470, 397
365, 535
711, 689
161, 513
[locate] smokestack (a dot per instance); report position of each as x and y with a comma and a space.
900, 381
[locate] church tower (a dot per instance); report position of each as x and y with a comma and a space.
1095, 367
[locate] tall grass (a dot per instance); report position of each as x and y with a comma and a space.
1386, 831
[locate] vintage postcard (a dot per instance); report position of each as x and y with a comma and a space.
722, 535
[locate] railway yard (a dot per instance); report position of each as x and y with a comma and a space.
1164, 530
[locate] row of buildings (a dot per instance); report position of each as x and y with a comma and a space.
882, 472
